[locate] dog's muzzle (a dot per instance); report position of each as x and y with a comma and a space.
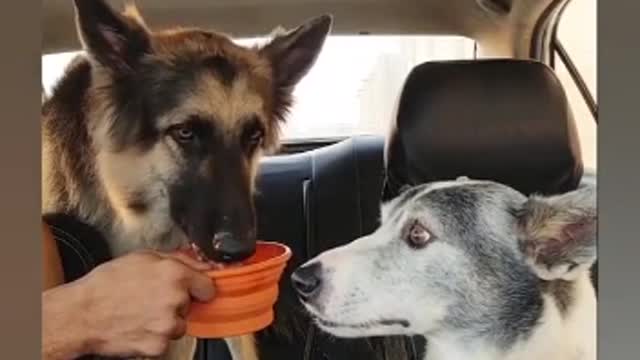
307, 280
227, 249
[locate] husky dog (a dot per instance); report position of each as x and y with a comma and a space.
477, 268
154, 137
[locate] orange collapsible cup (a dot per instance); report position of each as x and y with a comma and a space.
244, 297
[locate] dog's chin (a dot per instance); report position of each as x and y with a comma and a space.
340, 332
197, 253
383, 327
356, 328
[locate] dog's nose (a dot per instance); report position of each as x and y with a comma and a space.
306, 280
227, 249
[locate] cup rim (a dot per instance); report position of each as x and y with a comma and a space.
255, 267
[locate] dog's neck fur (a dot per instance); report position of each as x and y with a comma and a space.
568, 335
69, 176
70, 182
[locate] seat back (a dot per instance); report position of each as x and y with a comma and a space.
314, 201
504, 120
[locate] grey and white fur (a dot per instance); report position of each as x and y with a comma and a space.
479, 269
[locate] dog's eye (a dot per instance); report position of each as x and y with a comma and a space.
182, 133
253, 134
417, 235
256, 138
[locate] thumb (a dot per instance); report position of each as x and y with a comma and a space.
201, 287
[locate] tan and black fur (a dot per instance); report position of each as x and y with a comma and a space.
154, 137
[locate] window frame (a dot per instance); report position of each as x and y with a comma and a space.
555, 48
547, 48
558, 50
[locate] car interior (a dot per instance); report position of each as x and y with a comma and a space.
512, 106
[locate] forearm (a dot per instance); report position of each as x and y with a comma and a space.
65, 334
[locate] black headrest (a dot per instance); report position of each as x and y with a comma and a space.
502, 119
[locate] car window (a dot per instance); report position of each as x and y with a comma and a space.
353, 87
577, 31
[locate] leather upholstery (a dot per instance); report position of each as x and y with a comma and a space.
77, 255
505, 120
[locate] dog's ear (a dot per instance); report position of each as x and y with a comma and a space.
116, 41
293, 53
558, 233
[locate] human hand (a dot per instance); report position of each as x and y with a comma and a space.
135, 305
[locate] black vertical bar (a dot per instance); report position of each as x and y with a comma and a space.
577, 79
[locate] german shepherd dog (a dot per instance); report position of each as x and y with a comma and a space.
477, 268
154, 137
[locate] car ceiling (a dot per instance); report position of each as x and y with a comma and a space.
503, 27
